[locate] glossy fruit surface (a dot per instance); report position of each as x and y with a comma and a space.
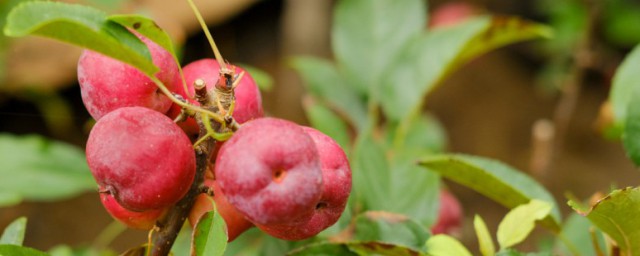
141, 157
270, 171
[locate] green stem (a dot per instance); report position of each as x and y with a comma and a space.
217, 117
108, 234
216, 52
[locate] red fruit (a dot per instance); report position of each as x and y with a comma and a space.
270, 171
452, 13
248, 100
141, 157
336, 177
449, 216
107, 84
236, 223
137, 220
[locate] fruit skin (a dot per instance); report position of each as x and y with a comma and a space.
270, 171
236, 222
336, 177
248, 100
141, 157
449, 216
248, 104
107, 84
452, 13
136, 220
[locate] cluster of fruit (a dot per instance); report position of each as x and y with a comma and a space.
288, 180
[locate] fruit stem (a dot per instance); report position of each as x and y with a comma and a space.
216, 117
216, 52
170, 225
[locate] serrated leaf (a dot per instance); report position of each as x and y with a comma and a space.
14, 232
15, 250
444, 245
82, 26
484, 236
495, 180
431, 57
625, 84
520, 221
611, 214
210, 235
368, 35
326, 84
390, 228
39, 169
326, 121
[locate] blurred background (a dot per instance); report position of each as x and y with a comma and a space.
498, 106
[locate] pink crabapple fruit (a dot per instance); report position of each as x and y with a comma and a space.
449, 216
452, 13
141, 157
136, 220
270, 171
107, 84
336, 177
236, 222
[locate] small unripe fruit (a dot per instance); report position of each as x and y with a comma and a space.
141, 157
270, 171
236, 222
107, 84
449, 216
336, 178
136, 220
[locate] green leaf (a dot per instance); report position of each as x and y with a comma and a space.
263, 79
323, 249
520, 221
368, 35
15, 250
210, 235
354, 248
625, 84
8, 198
325, 83
182, 245
576, 233
82, 26
631, 131
371, 176
444, 245
382, 249
14, 232
148, 28
484, 237
39, 169
390, 228
495, 180
612, 215
430, 58
328, 123
421, 202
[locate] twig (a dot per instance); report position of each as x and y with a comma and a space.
170, 225
584, 58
